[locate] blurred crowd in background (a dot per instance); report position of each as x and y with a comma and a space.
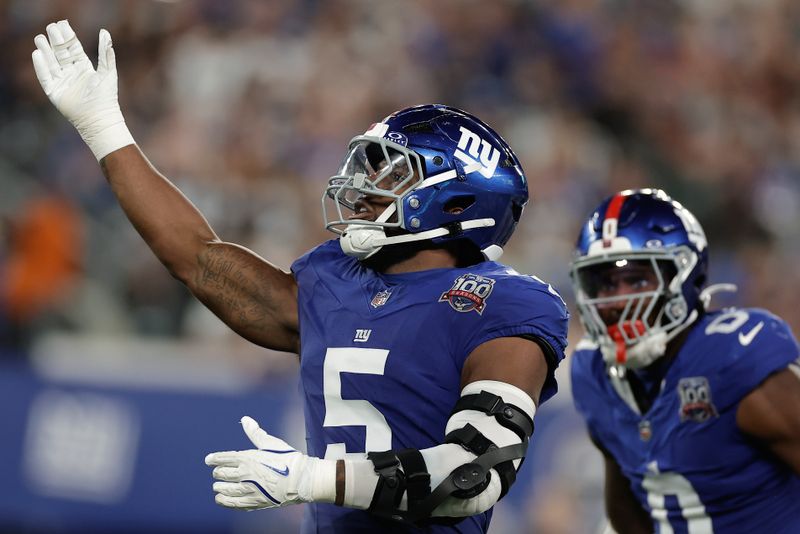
248, 107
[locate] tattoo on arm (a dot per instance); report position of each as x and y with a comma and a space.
226, 281
254, 298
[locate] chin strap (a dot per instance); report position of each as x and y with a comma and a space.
364, 240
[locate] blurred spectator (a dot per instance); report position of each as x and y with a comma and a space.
249, 105
40, 266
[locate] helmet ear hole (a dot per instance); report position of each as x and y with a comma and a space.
458, 204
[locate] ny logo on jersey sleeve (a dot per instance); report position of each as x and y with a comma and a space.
695, 394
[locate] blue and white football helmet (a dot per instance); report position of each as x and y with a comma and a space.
647, 230
442, 173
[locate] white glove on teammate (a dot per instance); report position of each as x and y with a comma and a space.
85, 96
274, 475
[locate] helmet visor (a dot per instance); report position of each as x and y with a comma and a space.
375, 168
618, 277
371, 168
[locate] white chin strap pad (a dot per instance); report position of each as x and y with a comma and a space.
362, 241
359, 240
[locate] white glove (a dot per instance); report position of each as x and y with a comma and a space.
85, 96
274, 475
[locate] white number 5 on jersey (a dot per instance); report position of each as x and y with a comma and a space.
347, 412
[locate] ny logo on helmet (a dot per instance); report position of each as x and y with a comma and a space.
480, 155
694, 231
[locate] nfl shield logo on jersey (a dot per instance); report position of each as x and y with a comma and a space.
380, 298
469, 292
645, 430
695, 394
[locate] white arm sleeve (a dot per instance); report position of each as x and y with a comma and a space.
441, 460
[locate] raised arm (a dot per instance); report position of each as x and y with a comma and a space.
252, 296
255, 298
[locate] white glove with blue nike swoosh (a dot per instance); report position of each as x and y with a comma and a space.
273, 475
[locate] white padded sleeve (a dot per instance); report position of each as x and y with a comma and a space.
492, 430
487, 424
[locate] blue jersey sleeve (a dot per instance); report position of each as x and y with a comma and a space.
525, 306
761, 346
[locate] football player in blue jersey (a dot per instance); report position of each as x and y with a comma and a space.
422, 360
696, 412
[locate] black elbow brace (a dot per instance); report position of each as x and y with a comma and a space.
508, 416
398, 472
405, 471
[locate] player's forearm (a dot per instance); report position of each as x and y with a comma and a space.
170, 224
771, 414
624, 512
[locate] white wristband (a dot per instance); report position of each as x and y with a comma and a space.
323, 480
102, 139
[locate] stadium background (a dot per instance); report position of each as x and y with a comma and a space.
114, 383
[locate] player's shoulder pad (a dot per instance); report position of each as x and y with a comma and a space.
528, 291
740, 331
587, 374
325, 254
743, 346
586, 361
328, 248
528, 302
586, 346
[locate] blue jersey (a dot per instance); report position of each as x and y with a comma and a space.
382, 354
686, 459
